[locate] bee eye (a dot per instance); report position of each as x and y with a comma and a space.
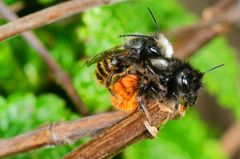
153, 49
185, 83
149, 50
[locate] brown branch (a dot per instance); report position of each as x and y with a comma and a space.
187, 40
49, 15
223, 5
17, 6
60, 133
230, 141
60, 77
127, 132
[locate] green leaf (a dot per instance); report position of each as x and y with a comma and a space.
223, 82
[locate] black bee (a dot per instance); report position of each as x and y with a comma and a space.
183, 82
135, 57
138, 51
143, 69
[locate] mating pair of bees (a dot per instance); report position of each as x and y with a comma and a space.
144, 69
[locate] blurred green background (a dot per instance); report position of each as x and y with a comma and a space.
30, 98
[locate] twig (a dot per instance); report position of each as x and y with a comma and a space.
17, 6
59, 75
209, 12
188, 40
60, 133
49, 15
127, 132
230, 141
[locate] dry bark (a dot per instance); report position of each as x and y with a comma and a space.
49, 15
127, 132
216, 20
59, 133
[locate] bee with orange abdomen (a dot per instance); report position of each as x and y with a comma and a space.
181, 80
142, 70
139, 53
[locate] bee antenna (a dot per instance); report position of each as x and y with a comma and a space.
154, 19
134, 35
213, 68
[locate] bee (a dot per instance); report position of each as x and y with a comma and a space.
134, 57
137, 52
183, 83
186, 84
143, 69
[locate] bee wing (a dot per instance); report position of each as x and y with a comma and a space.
115, 51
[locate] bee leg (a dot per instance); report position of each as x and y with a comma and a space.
151, 129
156, 93
151, 70
109, 80
143, 88
112, 93
143, 107
177, 104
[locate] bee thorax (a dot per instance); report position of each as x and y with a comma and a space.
159, 63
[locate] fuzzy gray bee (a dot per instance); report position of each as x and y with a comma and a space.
135, 56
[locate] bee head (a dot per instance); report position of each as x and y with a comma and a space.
150, 49
144, 47
162, 42
187, 85
156, 46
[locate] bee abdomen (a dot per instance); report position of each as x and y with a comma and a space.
103, 71
125, 90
